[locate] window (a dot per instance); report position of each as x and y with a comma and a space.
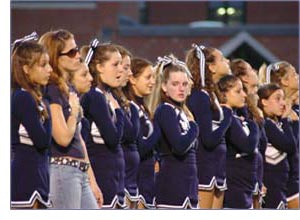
143, 9
228, 12
250, 54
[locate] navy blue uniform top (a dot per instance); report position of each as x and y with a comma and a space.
131, 126
295, 124
263, 140
281, 141
75, 148
293, 159
280, 135
242, 137
106, 124
27, 126
149, 132
212, 124
178, 135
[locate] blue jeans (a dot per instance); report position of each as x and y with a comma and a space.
70, 188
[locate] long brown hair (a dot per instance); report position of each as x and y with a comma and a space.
264, 92
27, 53
192, 63
138, 65
118, 92
239, 69
101, 54
224, 85
55, 42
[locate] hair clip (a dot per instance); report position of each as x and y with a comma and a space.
32, 36
201, 57
162, 62
93, 46
271, 67
275, 66
106, 43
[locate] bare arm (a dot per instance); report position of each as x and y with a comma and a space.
62, 130
94, 186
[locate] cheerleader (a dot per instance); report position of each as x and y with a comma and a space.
131, 130
242, 139
140, 85
30, 126
72, 181
81, 79
207, 65
285, 75
281, 142
106, 121
249, 78
178, 142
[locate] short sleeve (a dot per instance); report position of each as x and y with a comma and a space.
53, 95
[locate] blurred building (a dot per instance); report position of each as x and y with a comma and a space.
256, 31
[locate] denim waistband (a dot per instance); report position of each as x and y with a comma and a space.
83, 166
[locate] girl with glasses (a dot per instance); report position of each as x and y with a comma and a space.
72, 182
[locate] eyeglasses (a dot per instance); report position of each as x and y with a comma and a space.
71, 53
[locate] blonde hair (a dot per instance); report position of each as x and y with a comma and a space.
162, 72
138, 65
274, 72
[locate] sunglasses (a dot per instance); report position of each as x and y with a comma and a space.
71, 53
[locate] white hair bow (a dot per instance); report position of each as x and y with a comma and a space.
271, 67
32, 36
162, 62
201, 57
93, 46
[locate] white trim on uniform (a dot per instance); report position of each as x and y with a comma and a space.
281, 205
27, 204
113, 203
131, 198
213, 183
142, 200
185, 205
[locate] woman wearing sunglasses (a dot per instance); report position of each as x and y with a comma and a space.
72, 182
